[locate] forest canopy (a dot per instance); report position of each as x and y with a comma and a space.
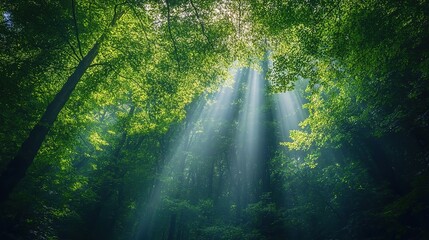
229, 119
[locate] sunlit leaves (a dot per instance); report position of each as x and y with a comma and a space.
96, 140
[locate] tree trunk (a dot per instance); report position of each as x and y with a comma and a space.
172, 228
18, 166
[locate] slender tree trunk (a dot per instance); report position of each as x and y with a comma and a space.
172, 228
18, 166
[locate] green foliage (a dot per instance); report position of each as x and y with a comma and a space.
223, 232
355, 169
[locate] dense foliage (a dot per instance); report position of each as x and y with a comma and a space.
113, 125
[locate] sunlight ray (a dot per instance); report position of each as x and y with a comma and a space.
200, 125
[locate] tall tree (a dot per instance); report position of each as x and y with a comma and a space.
18, 166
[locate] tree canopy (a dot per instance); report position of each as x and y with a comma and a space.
231, 119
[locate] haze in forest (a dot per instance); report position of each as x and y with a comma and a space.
230, 119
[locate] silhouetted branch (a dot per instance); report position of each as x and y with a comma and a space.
76, 28
74, 51
116, 14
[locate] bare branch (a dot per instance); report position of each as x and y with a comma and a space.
76, 28
74, 51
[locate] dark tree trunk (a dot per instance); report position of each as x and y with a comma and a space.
18, 166
172, 228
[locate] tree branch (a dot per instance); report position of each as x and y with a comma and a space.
99, 64
76, 28
117, 14
74, 51
201, 22
239, 18
171, 35
142, 26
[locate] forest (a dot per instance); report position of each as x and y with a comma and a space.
214, 119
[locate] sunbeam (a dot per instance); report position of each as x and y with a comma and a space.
248, 139
207, 116
289, 112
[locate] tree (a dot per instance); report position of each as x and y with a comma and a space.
17, 167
